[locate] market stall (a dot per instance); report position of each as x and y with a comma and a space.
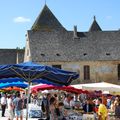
41, 87
103, 86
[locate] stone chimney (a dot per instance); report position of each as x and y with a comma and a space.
75, 32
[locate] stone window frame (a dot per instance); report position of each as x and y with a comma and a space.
86, 72
118, 71
57, 66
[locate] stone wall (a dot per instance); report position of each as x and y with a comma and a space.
11, 56
99, 70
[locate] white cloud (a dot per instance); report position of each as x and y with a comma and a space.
21, 20
108, 17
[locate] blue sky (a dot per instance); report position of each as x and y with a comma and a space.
17, 16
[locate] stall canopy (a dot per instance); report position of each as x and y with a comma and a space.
30, 71
103, 86
17, 84
49, 87
13, 89
10, 80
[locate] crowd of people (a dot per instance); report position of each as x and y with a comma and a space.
14, 104
56, 106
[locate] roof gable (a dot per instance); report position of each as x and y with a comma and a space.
95, 26
46, 20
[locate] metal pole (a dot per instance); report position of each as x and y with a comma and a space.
28, 96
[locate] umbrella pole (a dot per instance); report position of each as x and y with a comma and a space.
28, 96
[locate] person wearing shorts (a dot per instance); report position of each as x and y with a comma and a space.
19, 114
18, 103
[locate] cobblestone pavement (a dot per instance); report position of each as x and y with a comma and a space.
6, 117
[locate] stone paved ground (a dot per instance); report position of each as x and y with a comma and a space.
31, 106
6, 118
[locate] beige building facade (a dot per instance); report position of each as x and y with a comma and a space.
107, 71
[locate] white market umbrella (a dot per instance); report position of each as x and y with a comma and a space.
103, 86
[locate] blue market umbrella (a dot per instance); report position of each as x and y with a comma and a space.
30, 72
10, 80
13, 84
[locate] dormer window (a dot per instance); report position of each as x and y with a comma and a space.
108, 54
85, 54
57, 54
42, 54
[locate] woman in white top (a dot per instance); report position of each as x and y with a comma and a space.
10, 108
72, 103
67, 101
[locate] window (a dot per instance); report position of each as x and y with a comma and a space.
57, 66
118, 69
86, 72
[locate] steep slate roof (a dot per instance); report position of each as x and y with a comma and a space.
95, 26
9, 56
46, 20
60, 45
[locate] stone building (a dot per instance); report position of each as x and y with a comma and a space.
11, 56
95, 54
